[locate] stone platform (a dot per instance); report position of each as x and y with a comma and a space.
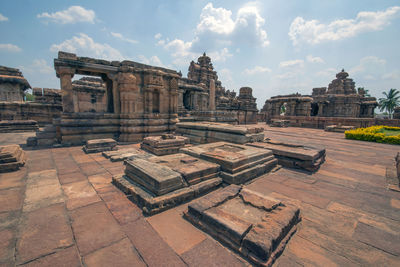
254, 225
12, 157
126, 153
99, 145
8, 126
294, 155
239, 163
207, 132
164, 145
159, 183
393, 174
339, 128
279, 123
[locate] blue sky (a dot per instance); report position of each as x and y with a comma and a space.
275, 47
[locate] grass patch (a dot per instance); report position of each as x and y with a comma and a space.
379, 134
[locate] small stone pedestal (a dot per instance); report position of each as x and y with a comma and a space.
239, 163
254, 225
99, 145
294, 155
339, 128
159, 183
12, 157
165, 144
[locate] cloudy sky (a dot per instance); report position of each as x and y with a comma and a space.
275, 47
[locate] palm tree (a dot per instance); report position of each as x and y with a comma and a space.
391, 101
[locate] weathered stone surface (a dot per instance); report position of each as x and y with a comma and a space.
99, 145
238, 163
338, 128
294, 155
257, 227
8, 126
193, 170
213, 132
157, 178
151, 203
12, 157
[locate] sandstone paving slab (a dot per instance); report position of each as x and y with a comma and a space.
91, 168
67, 257
378, 238
256, 226
178, 233
71, 177
42, 189
153, 249
94, 227
7, 239
123, 210
13, 179
43, 232
99, 181
210, 253
11, 199
79, 194
121, 253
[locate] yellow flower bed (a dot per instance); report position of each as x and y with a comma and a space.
374, 134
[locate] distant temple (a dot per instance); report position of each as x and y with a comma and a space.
340, 100
12, 84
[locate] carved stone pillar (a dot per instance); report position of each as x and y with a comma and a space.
65, 75
212, 95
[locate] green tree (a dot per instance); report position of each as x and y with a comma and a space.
29, 97
390, 101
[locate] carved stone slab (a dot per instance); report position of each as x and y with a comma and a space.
12, 157
294, 156
238, 163
254, 225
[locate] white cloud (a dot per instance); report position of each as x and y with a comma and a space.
10, 48
368, 64
73, 14
314, 32
157, 35
391, 75
216, 31
38, 66
225, 75
3, 18
292, 63
217, 27
85, 45
256, 70
312, 59
123, 38
369, 77
330, 72
220, 56
154, 60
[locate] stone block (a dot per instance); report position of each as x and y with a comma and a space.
99, 145
155, 177
238, 163
12, 157
255, 226
294, 155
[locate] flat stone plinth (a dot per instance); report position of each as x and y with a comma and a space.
165, 144
12, 157
99, 145
159, 183
9, 126
238, 163
279, 123
294, 155
339, 128
254, 225
206, 132
126, 153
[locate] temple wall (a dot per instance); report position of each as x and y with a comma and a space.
321, 122
42, 113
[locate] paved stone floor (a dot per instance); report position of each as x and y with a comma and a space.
62, 210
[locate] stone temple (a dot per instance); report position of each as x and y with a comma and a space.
12, 84
339, 100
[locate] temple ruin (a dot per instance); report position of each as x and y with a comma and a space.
337, 103
12, 85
